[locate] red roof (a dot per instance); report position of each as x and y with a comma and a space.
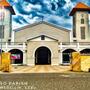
4, 3
79, 7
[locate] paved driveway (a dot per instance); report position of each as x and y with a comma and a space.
44, 78
42, 81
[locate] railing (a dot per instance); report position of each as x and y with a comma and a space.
74, 44
69, 43
84, 43
61, 45
13, 45
3, 43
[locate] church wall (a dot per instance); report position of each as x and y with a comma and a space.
7, 25
79, 15
42, 29
32, 47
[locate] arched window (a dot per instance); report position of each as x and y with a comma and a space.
1, 31
16, 56
42, 37
85, 51
66, 55
82, 21
82, 32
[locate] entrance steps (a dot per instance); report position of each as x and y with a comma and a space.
40, 69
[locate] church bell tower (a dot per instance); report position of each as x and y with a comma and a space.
80, 32
6, 12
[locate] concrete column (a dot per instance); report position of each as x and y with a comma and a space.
78, 46
60, 45
55, 58
24, 46
30, 61
24, 58
60, 53
55, 61
13, 35
71, 40
61, 58
6, 48
24, 54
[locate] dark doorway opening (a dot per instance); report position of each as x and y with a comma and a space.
16, 56
42, 56
67, 55
85, 51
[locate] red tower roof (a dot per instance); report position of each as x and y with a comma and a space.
5, 4
79, 7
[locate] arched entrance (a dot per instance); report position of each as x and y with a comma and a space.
42, 56
66, 55
85, 51
16, 56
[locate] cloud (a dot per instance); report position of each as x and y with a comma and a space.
62, 22
53, 11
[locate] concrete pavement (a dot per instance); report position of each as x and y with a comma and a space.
40, 69
45, 81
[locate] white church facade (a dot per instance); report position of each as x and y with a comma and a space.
43, 43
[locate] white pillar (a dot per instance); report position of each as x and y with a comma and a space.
24, 54
24, 58
24, 46
6, 48
60, 45
71, 39
13, 36
61, 59
60, 53
30, 61
78, 46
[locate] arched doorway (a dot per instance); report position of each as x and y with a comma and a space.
16, 56
42, 56
66, 55
85, 51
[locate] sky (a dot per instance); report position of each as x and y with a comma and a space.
52, 11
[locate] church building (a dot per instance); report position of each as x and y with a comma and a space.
43, 43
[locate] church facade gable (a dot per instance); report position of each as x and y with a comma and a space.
42, 38
42, 29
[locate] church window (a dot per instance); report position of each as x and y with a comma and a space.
1, 31
82, 32
42, 37
82, 15
82, 21
74, 27
74, 32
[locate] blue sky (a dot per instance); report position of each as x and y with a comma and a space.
53, 11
